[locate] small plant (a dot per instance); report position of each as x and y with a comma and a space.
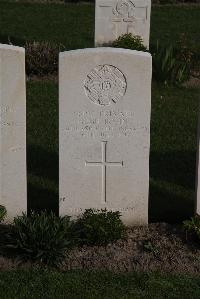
42, 58
42, 237
98, 227
168, 65
3, 213
129, 41
193, 226
149, 247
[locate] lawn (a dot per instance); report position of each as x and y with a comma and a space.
174, 110
73, 25
88, 285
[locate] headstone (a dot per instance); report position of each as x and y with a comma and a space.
13, 130
197, 210
104, 127
116, 17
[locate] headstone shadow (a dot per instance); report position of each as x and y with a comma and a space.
13, 40
178, 169
43, 164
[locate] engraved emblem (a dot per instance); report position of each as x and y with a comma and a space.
124, 9
105, 85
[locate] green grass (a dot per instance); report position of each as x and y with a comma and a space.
73, 25
170, 22
173, 152
70, 25
88, 285
173, 149
42, 145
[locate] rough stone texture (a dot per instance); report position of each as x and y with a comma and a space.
13, 130
105, 102
116, 17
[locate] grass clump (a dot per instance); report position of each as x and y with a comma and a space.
42, 237
45, 238
169, 66
129, 41
193, 226
42, 58
98, 227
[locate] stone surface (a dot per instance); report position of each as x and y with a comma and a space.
198, 172
116, 17
13, 130
104, 128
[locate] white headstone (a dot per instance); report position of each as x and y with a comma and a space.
13, 130
197, 210
116, 17
105, 102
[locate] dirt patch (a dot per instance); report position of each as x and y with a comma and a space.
158, 247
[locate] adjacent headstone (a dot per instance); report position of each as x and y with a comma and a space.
104, 128
13, 130
116, 17
197, 210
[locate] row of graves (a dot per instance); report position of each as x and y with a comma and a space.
104, 120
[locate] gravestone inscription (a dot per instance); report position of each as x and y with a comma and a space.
104, 128
114, 18
13, 130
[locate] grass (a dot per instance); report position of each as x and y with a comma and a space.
42, 142
173, 152
82, 284
69, 25
169, 23
73, 25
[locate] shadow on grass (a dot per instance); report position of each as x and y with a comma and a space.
42, 164
42, 199
165, 206
172, 185
13, 40
174, 167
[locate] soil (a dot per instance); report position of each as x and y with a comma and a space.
159, 247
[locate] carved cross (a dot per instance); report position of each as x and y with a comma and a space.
103, 163
123, 23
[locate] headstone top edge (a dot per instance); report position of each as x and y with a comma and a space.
105, 50
11, 47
